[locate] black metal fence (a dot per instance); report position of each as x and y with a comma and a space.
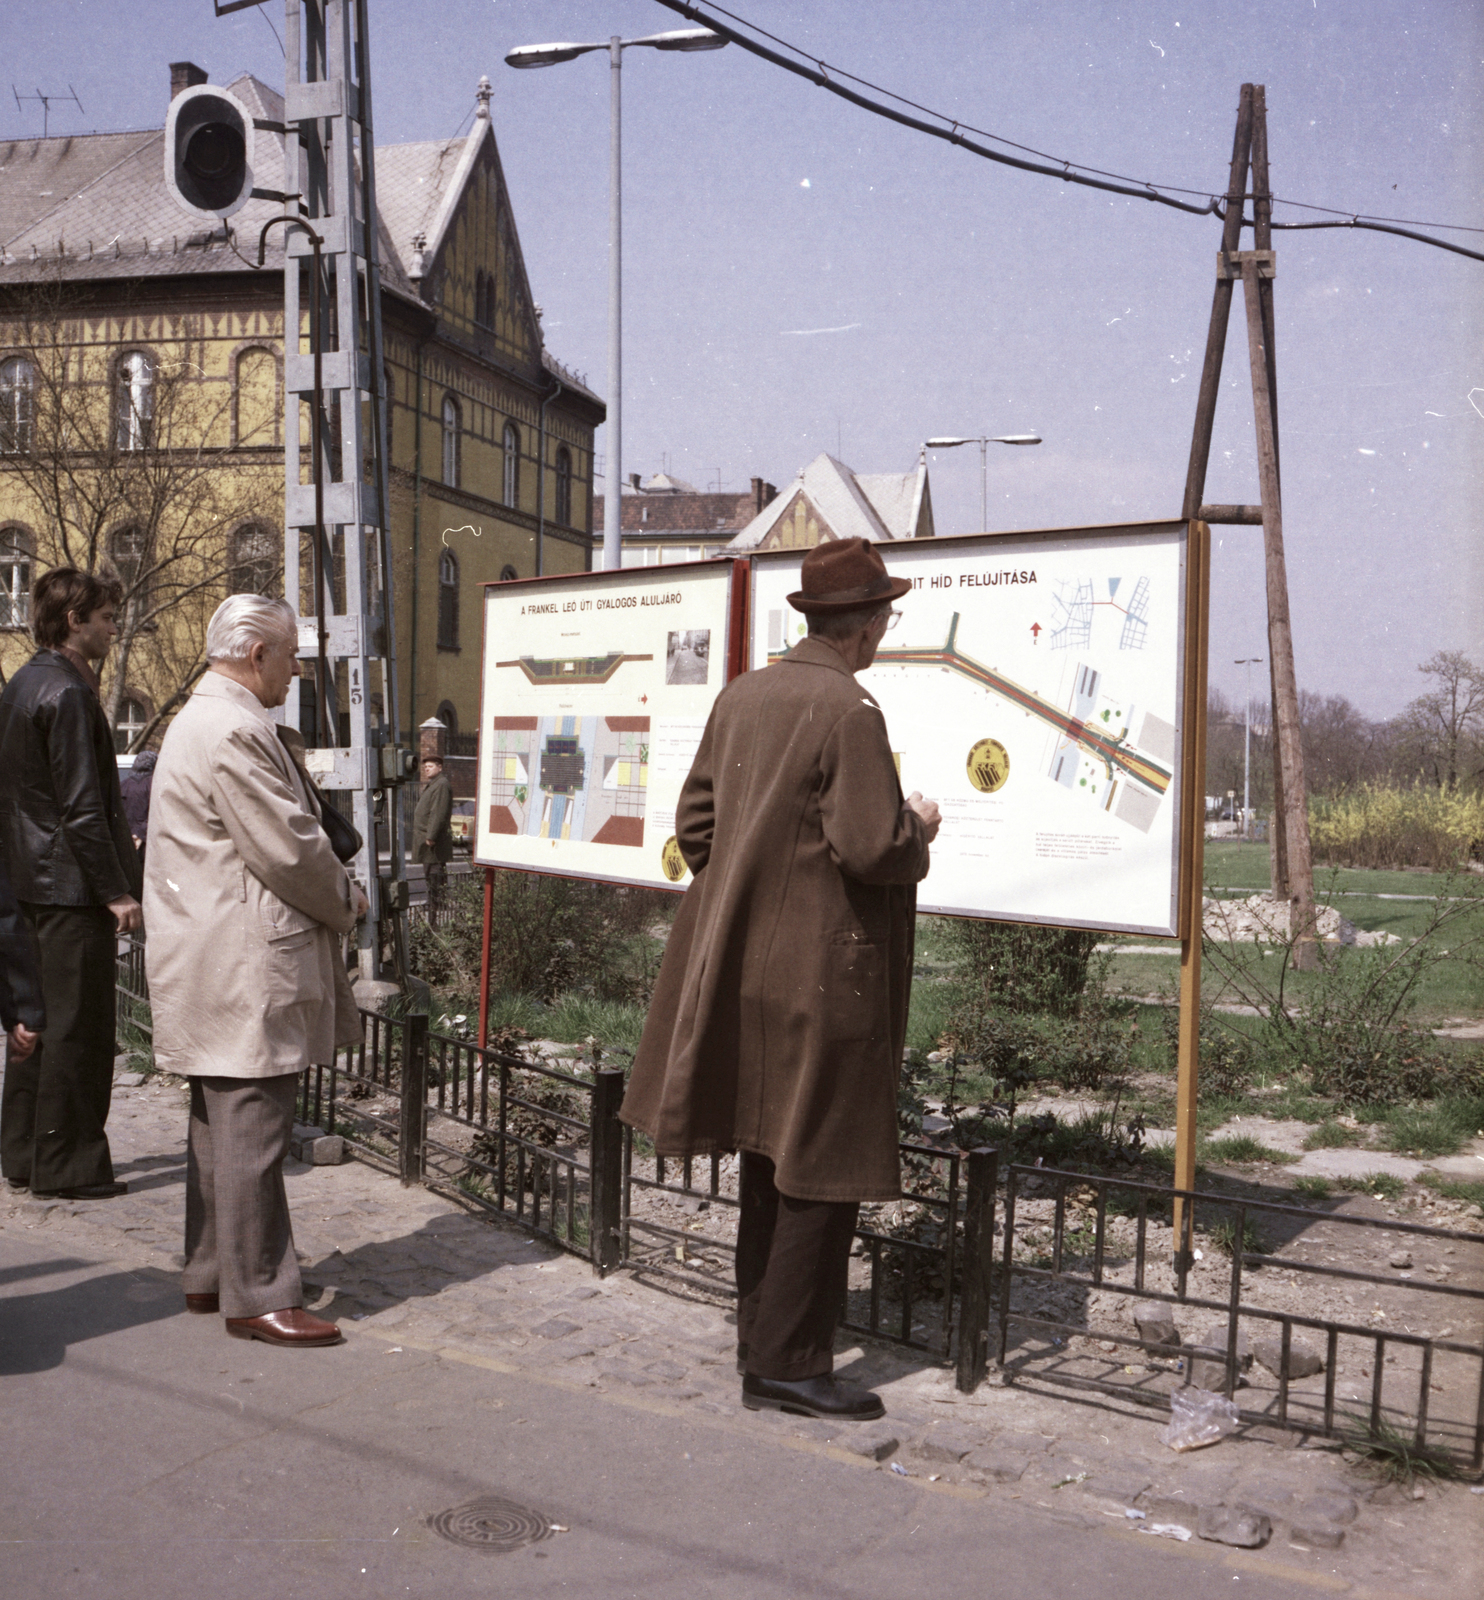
928, 1253
542, 1145
1404, 1365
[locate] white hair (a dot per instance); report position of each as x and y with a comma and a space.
243, 620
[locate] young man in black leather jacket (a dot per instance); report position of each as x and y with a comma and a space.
76, 874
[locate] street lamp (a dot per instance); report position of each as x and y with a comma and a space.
1249, 662
984, 443
550, 55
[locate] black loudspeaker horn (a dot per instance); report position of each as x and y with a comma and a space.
208, 152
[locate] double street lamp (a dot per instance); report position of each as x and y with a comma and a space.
550, 55
984, 444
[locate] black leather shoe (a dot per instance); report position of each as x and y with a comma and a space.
827, 1397
84, 1191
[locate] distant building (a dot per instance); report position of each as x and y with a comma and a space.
829, 501
666, 520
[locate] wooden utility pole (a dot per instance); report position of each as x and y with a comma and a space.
1293, 872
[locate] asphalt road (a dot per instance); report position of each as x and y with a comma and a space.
152, 1457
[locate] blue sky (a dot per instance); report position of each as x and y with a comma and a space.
955, 296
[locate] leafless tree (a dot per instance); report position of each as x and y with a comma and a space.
1441, 734
121, 459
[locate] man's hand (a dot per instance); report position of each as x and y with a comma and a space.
927, 810
127, 913
363, 905
20, 1042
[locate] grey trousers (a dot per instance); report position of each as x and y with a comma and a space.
239, 1242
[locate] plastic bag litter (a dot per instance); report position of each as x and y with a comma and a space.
1198, 1418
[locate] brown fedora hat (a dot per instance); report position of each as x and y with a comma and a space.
841, 574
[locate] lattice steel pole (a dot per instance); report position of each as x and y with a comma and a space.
330, 178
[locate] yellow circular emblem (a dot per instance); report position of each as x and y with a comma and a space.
988, 766
672, 863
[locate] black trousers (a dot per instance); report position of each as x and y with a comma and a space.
792, 1260
55, 1102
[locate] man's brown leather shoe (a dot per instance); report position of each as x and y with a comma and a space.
204, 1305
292, 1326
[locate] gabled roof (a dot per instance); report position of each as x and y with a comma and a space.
875, 507
98, 207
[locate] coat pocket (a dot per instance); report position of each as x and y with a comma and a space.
293, 970
854, 1003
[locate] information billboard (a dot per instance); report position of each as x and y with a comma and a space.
595, 689
1032, 687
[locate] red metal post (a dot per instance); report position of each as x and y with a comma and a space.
484, 957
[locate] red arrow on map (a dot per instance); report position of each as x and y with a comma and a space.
1035, 633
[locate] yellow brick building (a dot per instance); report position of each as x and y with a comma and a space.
142, 417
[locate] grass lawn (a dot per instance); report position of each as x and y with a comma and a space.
1233, 865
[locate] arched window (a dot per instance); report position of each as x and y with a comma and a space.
17, 406
510, 488
16, 552
257, 397
448, 716
128, 550
135, 406
254, 557
450, 441
448, 601
507, 572
133, 720
564, 485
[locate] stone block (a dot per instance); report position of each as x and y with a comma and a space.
1208, 1368
1236, 1525
1115, 1489
1214, 1338
948, 1445
875, 1444
1156, 1323
326, 1151
1331, 1507
555, 1328
666, 1369
1024, 1444
127, 1080
1316, 1533
1303, 1359
997, 1465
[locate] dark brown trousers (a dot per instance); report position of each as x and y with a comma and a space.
56, 1100
792, 1259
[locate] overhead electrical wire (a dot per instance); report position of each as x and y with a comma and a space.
824, 76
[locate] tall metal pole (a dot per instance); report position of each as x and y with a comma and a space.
1249, 662
613, 490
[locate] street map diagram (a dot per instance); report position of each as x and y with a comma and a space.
1031, 687
596, 689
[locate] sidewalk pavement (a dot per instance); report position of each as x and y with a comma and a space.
481, 1362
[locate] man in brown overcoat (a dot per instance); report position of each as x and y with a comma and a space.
781, 1009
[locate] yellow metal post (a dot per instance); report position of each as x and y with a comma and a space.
1192, 865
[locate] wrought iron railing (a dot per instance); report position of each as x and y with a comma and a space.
1099, 1264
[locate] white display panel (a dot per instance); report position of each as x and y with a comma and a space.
595, 689
1032, 687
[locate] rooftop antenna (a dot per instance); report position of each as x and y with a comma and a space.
46, 104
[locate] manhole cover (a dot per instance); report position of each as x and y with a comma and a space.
490, 1524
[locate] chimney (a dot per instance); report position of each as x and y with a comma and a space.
185, 75
633, 480
762, 494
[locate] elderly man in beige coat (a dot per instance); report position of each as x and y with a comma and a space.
244, 906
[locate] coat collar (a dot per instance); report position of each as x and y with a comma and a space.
817, 653
217, 686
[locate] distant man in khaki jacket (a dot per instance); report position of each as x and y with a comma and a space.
244, 906
781, 1009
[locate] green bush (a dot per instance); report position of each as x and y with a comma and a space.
1008, 966
548, 937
